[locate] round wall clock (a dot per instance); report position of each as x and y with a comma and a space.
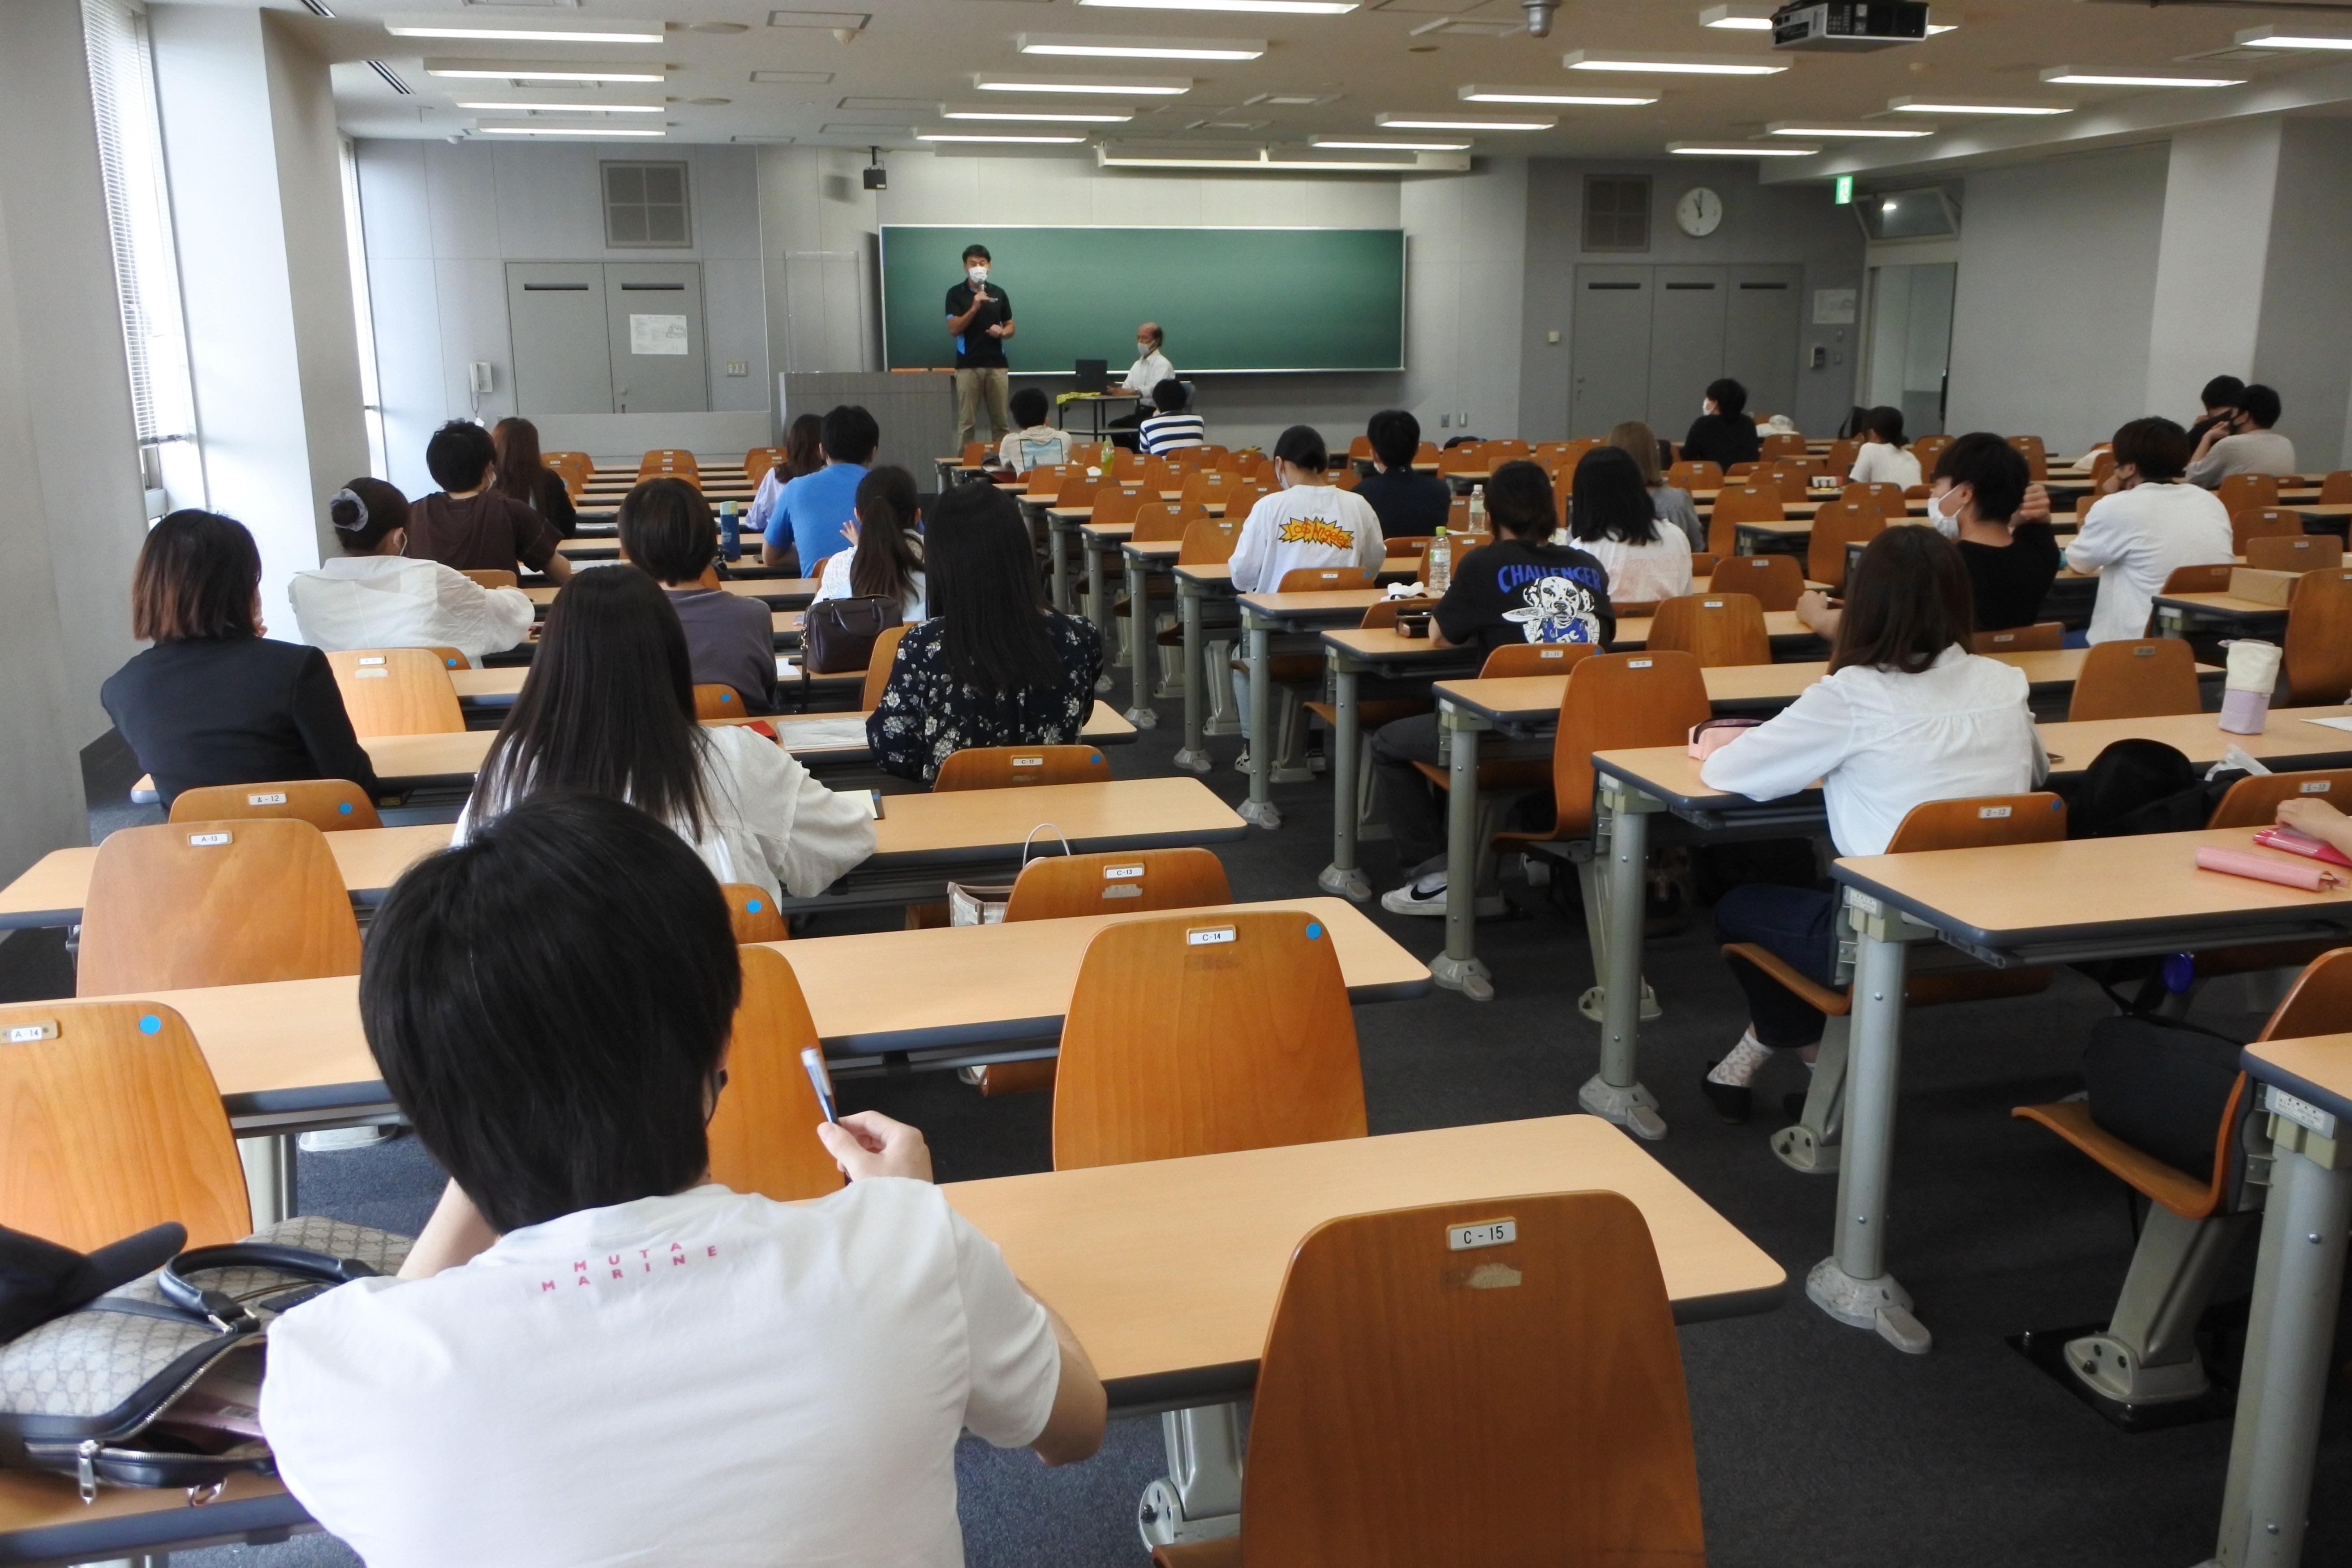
1699, 212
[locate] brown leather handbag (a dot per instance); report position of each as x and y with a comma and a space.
837, 634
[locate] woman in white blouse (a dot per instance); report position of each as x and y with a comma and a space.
1884, 460
885, 558
1906, 714
1610, 518
373, 596
608, 707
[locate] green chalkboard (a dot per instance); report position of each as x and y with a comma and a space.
1228, 298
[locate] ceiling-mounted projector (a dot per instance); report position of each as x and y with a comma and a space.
1849, 25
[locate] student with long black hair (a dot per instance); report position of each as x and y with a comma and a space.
885, 558
1612, 518
608, 707
666, 529
1906, 714
992, 667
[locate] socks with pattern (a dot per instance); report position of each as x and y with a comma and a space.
1737, 1068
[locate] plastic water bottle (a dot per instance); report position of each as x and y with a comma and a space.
1109, 454
1441, 562
1477, 509
730, 532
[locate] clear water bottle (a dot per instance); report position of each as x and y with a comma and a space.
730, 532
1441, 562
1477, 509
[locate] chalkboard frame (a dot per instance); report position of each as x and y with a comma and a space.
935, 351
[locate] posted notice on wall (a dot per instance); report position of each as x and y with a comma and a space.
1831, 307
667, 334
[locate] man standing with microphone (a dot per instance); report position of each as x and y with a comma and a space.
980, 317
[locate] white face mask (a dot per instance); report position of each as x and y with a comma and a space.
1144, 350
1706, 407
977, 274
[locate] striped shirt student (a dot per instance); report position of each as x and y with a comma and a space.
1175, 426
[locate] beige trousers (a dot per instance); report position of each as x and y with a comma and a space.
994, 383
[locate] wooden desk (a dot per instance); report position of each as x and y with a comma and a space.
499, 685
2298, 1278
53, 888
1781, 627
2177, 614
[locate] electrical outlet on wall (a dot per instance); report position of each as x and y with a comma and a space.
737, 367
1553, 336
1445, 422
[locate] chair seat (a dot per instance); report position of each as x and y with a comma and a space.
1379, 711
1930, 988
2145, 1174
1525, 773
1287, 668
1225, 1551
1803, 986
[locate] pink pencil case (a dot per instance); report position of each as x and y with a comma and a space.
1712, 735
2295, 843
2310, 876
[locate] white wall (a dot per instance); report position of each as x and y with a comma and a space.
1466, 264
2304, 343
442, 221
2207, 300
2057, 285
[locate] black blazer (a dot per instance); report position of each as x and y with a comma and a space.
238, 710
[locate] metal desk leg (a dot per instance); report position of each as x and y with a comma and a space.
1099, 607
2297, 1280
1259, 808
1853, 1285
1341, 876
1193, 757
1141, 647
1457, 968
268, 1161
1057, 541
1615, 1092
1199, 1497
2171, 622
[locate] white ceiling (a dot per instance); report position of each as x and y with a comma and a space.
915, 55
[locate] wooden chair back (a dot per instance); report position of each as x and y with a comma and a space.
1696, 476
2103, 463
1928, 449
2335, 489
1203, 1034
2212, 577
2030, 447
331, 805
2254, 801
1617, 700
574, 468
2140, 678
1210, 540
2318, 654
396, 691
1780, 444
1837, 524
1887, 497
1774, 582
975, 453
1136, 883
1841, 456
1007, 767
1759, 499
492, 577
2248, 524
764, 1135
1203, 486
1045, 479
1979, 821
1157, 523
716, 699
759, 460
1127, 468
1120, 503
1714, 628
674, 462
114, 1124
1323, 579
2318, 1002
751, 910
1519, 659
1457, 515
183, 904
2294, 553
2240, 491
1341, 476
1245, 495
1425, 454
1466, 458
1505, 449
1158, 475
2042, 637
878, 667
451, 658
1577, 1445
1361, 449
1794, 479
1703, 563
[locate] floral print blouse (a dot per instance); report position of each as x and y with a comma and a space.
925, 714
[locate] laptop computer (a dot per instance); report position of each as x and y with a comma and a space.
1094, 375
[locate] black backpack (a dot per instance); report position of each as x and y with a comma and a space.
2143, 787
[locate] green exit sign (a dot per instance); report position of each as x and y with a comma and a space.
1842, 192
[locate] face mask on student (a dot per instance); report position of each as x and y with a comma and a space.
1944, 511
978, 275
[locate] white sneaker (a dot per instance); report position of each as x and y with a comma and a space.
1241, 763
1425, 897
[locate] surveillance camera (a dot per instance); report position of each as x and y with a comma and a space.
1540, 15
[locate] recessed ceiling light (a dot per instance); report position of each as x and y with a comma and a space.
1116, 48
976, 136
1738, 18
2294, 38
717, 27
2069, 77
1103, 114
514, 29
1739, 150
804, 79
1477, 93
825, 21
1124, 86
543, 71
710, 102
570, 105
1460, 123
1344, 145
1670, 64
544, 127
1976, 106
1846, 128
1278, 7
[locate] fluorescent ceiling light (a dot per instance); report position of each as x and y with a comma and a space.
2068, 76
1115, 48
1670, 64
1125, 86
559, 106
1738, 18
1030, 141
1278, 7
1739, 150
1980, 106
1845, 128
543, 71
1345, 145
515, 29
1459, 123
1480, 93
546, 128
2294, 38
1254, 159
1103, 114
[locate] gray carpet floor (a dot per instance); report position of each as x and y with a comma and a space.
1817, 1443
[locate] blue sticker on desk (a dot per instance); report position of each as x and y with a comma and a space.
148, 1023
344, 806
1313, 930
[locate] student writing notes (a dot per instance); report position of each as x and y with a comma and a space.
666, 530
596, 1354
469, 523
1308, 523
214, 701
1906, 714
608, 707
2154, 523
373, 596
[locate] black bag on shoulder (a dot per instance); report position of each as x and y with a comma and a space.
837, 634
2160, 1086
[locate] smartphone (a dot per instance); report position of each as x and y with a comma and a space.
874, 802
820, 1079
